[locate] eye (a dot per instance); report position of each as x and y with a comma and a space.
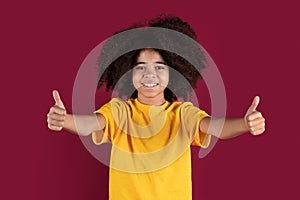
139, 67
159, 67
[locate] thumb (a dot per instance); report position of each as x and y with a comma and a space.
254, 104
58, 101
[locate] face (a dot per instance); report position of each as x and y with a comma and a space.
150, 74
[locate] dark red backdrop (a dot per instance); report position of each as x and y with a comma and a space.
254, 44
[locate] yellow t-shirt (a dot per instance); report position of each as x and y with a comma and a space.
150, 155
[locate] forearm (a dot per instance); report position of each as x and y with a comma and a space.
224, 128
83, 125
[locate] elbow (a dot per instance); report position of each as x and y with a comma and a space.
86, 134
83, 133
224, 137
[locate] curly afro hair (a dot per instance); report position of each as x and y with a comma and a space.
117, 69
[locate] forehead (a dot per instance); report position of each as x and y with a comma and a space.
149, 55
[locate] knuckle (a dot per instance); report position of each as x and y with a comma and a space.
248, 118
52, 122
62, 111
56, 128
54, 109
49, 116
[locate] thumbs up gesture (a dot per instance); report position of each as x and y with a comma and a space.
57, 113
254, 120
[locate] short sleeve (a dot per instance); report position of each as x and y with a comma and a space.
191, 118
104, 135
115, 113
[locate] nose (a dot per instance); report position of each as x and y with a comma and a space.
149, 73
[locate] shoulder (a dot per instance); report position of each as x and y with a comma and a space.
118, 102
189, 107
113, 104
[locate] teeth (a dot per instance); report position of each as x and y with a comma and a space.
149, 84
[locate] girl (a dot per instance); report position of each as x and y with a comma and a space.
151, 132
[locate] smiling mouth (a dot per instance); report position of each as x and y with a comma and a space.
149, 85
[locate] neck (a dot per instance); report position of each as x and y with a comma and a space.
153, 101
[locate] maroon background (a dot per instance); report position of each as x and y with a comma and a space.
255, 45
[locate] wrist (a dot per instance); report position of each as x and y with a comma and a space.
67, 121
245, 125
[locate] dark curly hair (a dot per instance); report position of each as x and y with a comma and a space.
119, 66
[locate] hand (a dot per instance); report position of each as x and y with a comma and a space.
254, 120
57, 113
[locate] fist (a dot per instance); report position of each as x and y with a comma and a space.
57, 114
254, 120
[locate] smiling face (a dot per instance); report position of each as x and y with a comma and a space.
150, 77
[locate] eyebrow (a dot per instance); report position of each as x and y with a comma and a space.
157, 62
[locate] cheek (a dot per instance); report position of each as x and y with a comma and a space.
164, 78
136, 80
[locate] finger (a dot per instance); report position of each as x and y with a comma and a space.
56, 116
58, 110
54, 122
258, 132
254, 116
252, 123
54, 128
254, 104
257, 127
57, 99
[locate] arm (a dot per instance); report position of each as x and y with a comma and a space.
82, 125
225, 128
